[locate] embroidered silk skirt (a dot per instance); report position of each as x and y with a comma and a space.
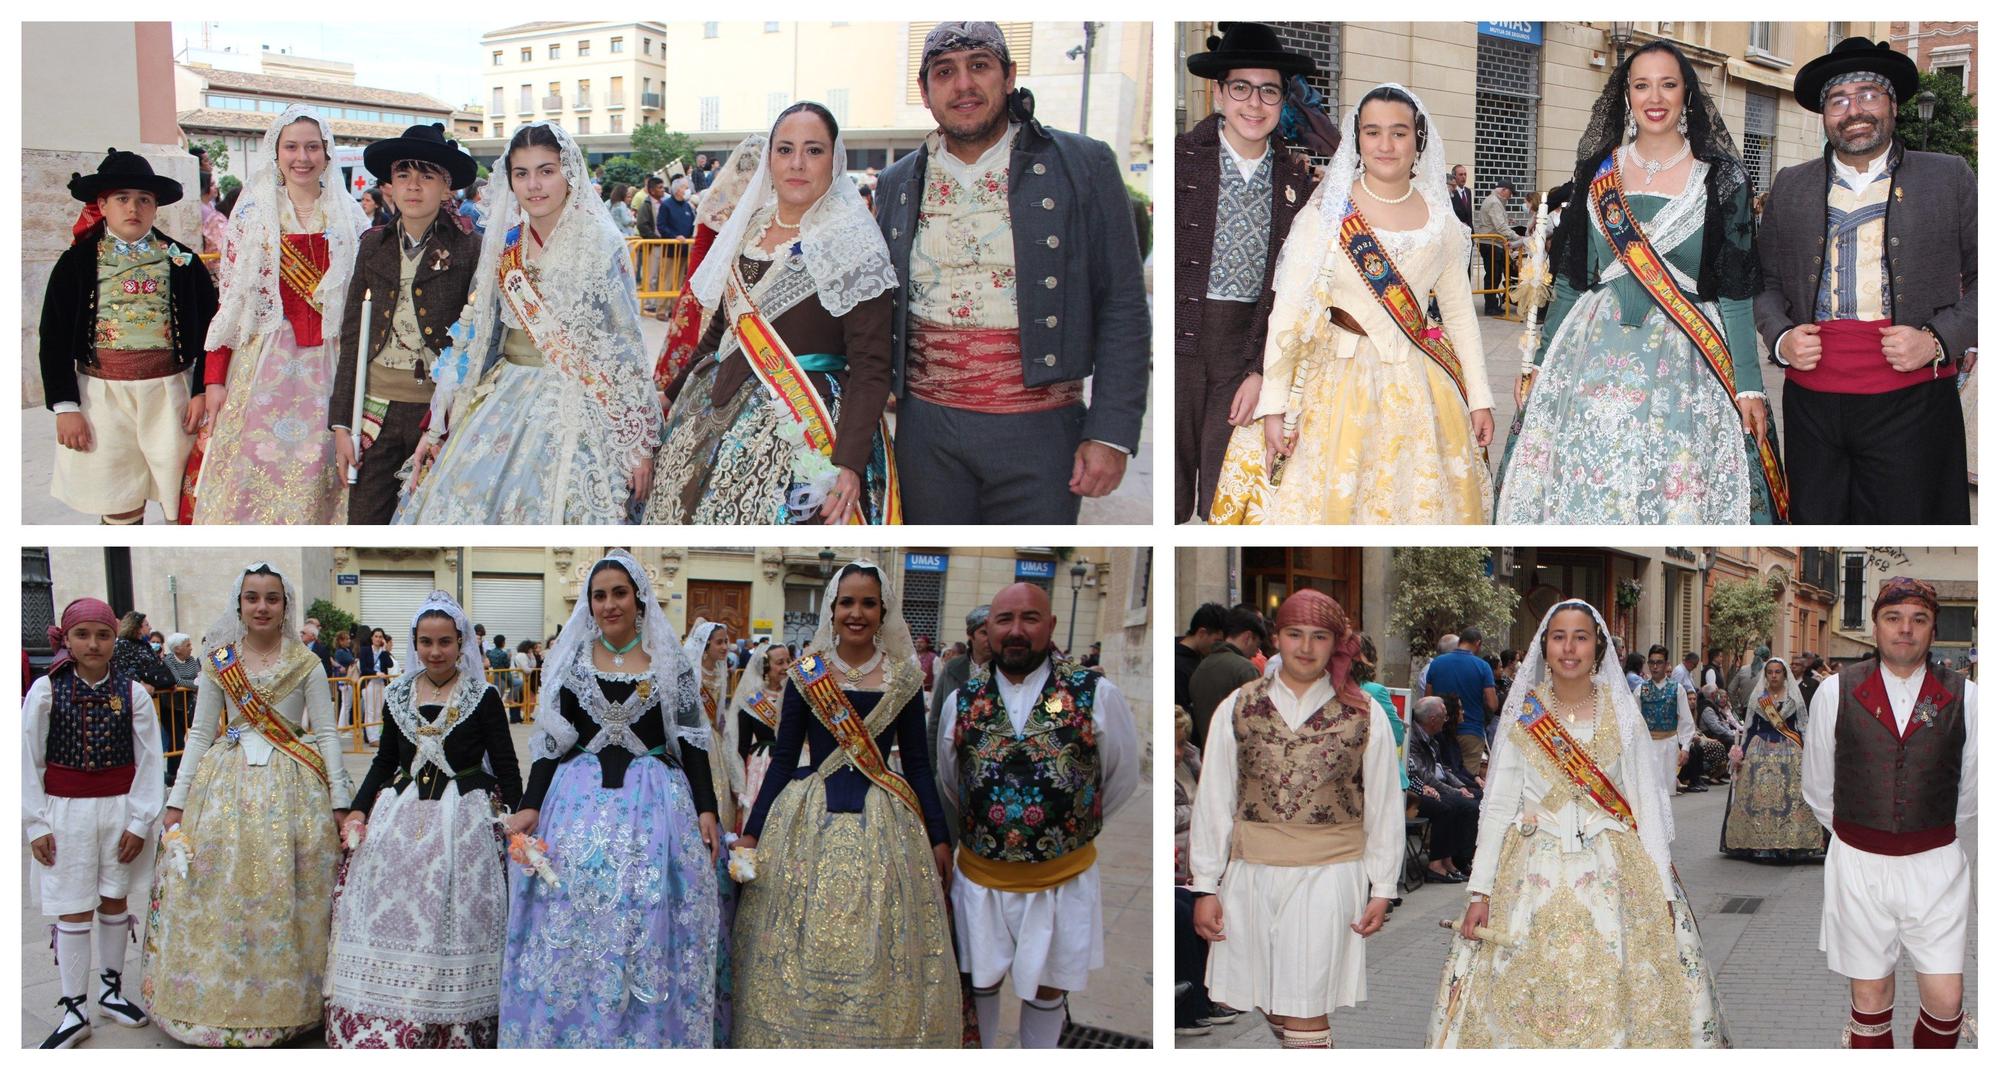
842, 940
1593, 955
419, 924
742, 462
1768, 817
236, 950
270, 459
622, 954
1380, 442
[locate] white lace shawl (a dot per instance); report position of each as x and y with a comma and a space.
250, 304
732, 178
471, 663
1682, 218
228, 628
569, 666
841, 245
893, 637
584, 275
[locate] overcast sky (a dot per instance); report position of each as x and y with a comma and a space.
437, 58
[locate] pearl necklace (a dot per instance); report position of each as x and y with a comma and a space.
855, 673
1370, 191
1652, 168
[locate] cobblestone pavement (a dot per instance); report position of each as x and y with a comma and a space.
1119, 997
1774, 986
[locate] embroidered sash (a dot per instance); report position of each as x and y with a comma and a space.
763, 709
300, 275
814, 678
558, 350
235, 681
1649, 269
1772, 718
1570, 757
1377, 270
777, 368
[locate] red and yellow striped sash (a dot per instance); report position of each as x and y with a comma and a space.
814, 678
235, 683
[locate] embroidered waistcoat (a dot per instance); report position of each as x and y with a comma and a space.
1035, 797
1299, 791
1657, 706
90, 733
133, 300
1897, 795
1242, 231
1854, 284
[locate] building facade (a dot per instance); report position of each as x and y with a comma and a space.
1947, 48
1953, 571
600, 80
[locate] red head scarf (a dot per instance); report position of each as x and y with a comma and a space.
1315, 609
79, 612
1901, 589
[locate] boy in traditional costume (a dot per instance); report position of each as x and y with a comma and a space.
1297, 833
1892, 769
126, 310
1035, 752
415, 299
90, 791
1663, 704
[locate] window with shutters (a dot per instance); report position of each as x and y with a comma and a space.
1761, 36
711, 113
617, 46
389, 600
923, 594
583, 50
38, 600
1853, 585
1504, 123
1020, 37
496, 56
499, 100
508, 605
528, 55
582, 125
555, 52
617, 123
1760, 136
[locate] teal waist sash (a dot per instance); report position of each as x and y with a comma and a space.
821, 362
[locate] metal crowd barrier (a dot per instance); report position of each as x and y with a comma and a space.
660, 265
1480, 244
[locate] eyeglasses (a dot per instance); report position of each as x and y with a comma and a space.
1266, 91
1842, 103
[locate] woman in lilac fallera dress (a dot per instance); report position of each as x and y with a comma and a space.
619, 950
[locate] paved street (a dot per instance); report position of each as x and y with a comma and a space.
1775, 989
1131, 503
1119, 997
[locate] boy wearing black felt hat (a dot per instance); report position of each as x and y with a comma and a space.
123, 321
419, 270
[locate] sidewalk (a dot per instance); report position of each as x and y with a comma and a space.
1772, 979
1131, 503
1119, 998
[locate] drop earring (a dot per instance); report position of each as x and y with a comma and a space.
1683, 124
1631, 128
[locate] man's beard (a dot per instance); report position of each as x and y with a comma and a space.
1878, 134
983, 130
1019, 660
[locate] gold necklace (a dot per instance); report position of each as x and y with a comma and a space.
1568, 710
855, 673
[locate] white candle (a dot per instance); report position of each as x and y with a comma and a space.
361, 381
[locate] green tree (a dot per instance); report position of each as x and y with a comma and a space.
1440, 590
622, 169
227, 185
331, 618
1741, 613
655, 145
1954, 124
214, 150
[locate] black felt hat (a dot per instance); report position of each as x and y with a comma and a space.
123, 171
1247, 46
425, 142
1856, 55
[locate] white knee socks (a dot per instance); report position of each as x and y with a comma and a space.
986, 1002
1041, 1023
73, 957
112, 934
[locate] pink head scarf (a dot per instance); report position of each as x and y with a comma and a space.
1316, 609
78, 612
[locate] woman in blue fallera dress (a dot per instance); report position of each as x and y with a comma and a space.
620, 951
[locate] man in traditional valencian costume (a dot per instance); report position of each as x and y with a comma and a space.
1870, 301
1020, 278
1035, 752
1297, 833
1238, 191
1664, 706
1892, 769
91, 791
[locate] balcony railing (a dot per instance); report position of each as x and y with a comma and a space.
617, 102
527, 107
649, 100
583, 102
552, 103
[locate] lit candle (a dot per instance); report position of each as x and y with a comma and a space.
361, 382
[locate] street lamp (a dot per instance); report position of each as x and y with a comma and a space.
1926, 107
825, 562
1621, 36
1083, 51
1077, 571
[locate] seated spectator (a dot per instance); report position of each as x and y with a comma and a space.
1441, 795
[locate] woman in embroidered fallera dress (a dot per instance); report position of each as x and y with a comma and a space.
841, 937
544, 401
707, 649
689, 320
760, 695
1767, 816
243, 891
620, 953
1373, 428
1578, 934
287, 259
1625, 421
804, 255
420, 918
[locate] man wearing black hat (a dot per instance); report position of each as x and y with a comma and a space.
1870, 302
123, 322
419, 270
1020, 277
1238, 191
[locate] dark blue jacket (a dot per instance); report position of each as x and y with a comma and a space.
676, 219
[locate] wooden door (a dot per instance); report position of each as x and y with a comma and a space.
727, 601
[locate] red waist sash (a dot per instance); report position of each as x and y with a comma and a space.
302, 262
127, 366
77, 784
979, 368
1883, 842
1851, 362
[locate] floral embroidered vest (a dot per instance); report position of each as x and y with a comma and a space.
88, 751
1657, 706
1035, 797
1298, 791
1897, 795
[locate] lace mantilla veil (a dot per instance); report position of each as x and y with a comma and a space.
569, 666
584, 274
471, 664
1649, 799
718, 202
899, 652
1759, 690
838, 239
228, 628
250, 303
